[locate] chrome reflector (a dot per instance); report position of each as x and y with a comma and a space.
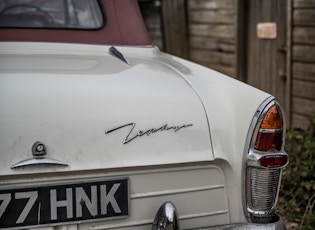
262, 190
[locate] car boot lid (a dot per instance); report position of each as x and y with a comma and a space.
81, 108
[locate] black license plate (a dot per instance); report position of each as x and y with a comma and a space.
62, 203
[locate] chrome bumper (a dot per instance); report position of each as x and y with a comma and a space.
167, 219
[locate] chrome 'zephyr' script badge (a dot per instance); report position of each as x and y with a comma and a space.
131, 135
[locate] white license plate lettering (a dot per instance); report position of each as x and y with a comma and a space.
55, 204
5, 198
31, 196
109, 199
63, 203
83, 199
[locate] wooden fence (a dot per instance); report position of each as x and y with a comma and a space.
211, 33
303, 62
212, 37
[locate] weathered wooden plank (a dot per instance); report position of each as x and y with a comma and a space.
305, 17
212, 16
303, 71
304, 35
212, 44
304, 3
303, 106
300, 121
217, 31
209, 56
305, 89
210, 4
303, 53
174, 21
212, 34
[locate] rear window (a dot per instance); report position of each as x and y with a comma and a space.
61, 14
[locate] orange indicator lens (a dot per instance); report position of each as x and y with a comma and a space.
272, 119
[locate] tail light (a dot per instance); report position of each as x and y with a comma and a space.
265, 157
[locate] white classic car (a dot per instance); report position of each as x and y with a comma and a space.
99, 129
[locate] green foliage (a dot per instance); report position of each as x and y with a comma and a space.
297, 192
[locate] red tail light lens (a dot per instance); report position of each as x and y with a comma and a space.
268, 141
273, 161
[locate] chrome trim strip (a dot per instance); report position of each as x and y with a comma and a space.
38, 161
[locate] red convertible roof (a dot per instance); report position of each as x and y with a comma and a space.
124, 26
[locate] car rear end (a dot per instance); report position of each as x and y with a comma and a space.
86, 148
101, 137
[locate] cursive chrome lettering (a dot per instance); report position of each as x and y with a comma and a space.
133, 135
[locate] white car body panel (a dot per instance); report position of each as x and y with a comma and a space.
72, 82
186, 185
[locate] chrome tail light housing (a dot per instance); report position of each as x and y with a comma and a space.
263, 161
